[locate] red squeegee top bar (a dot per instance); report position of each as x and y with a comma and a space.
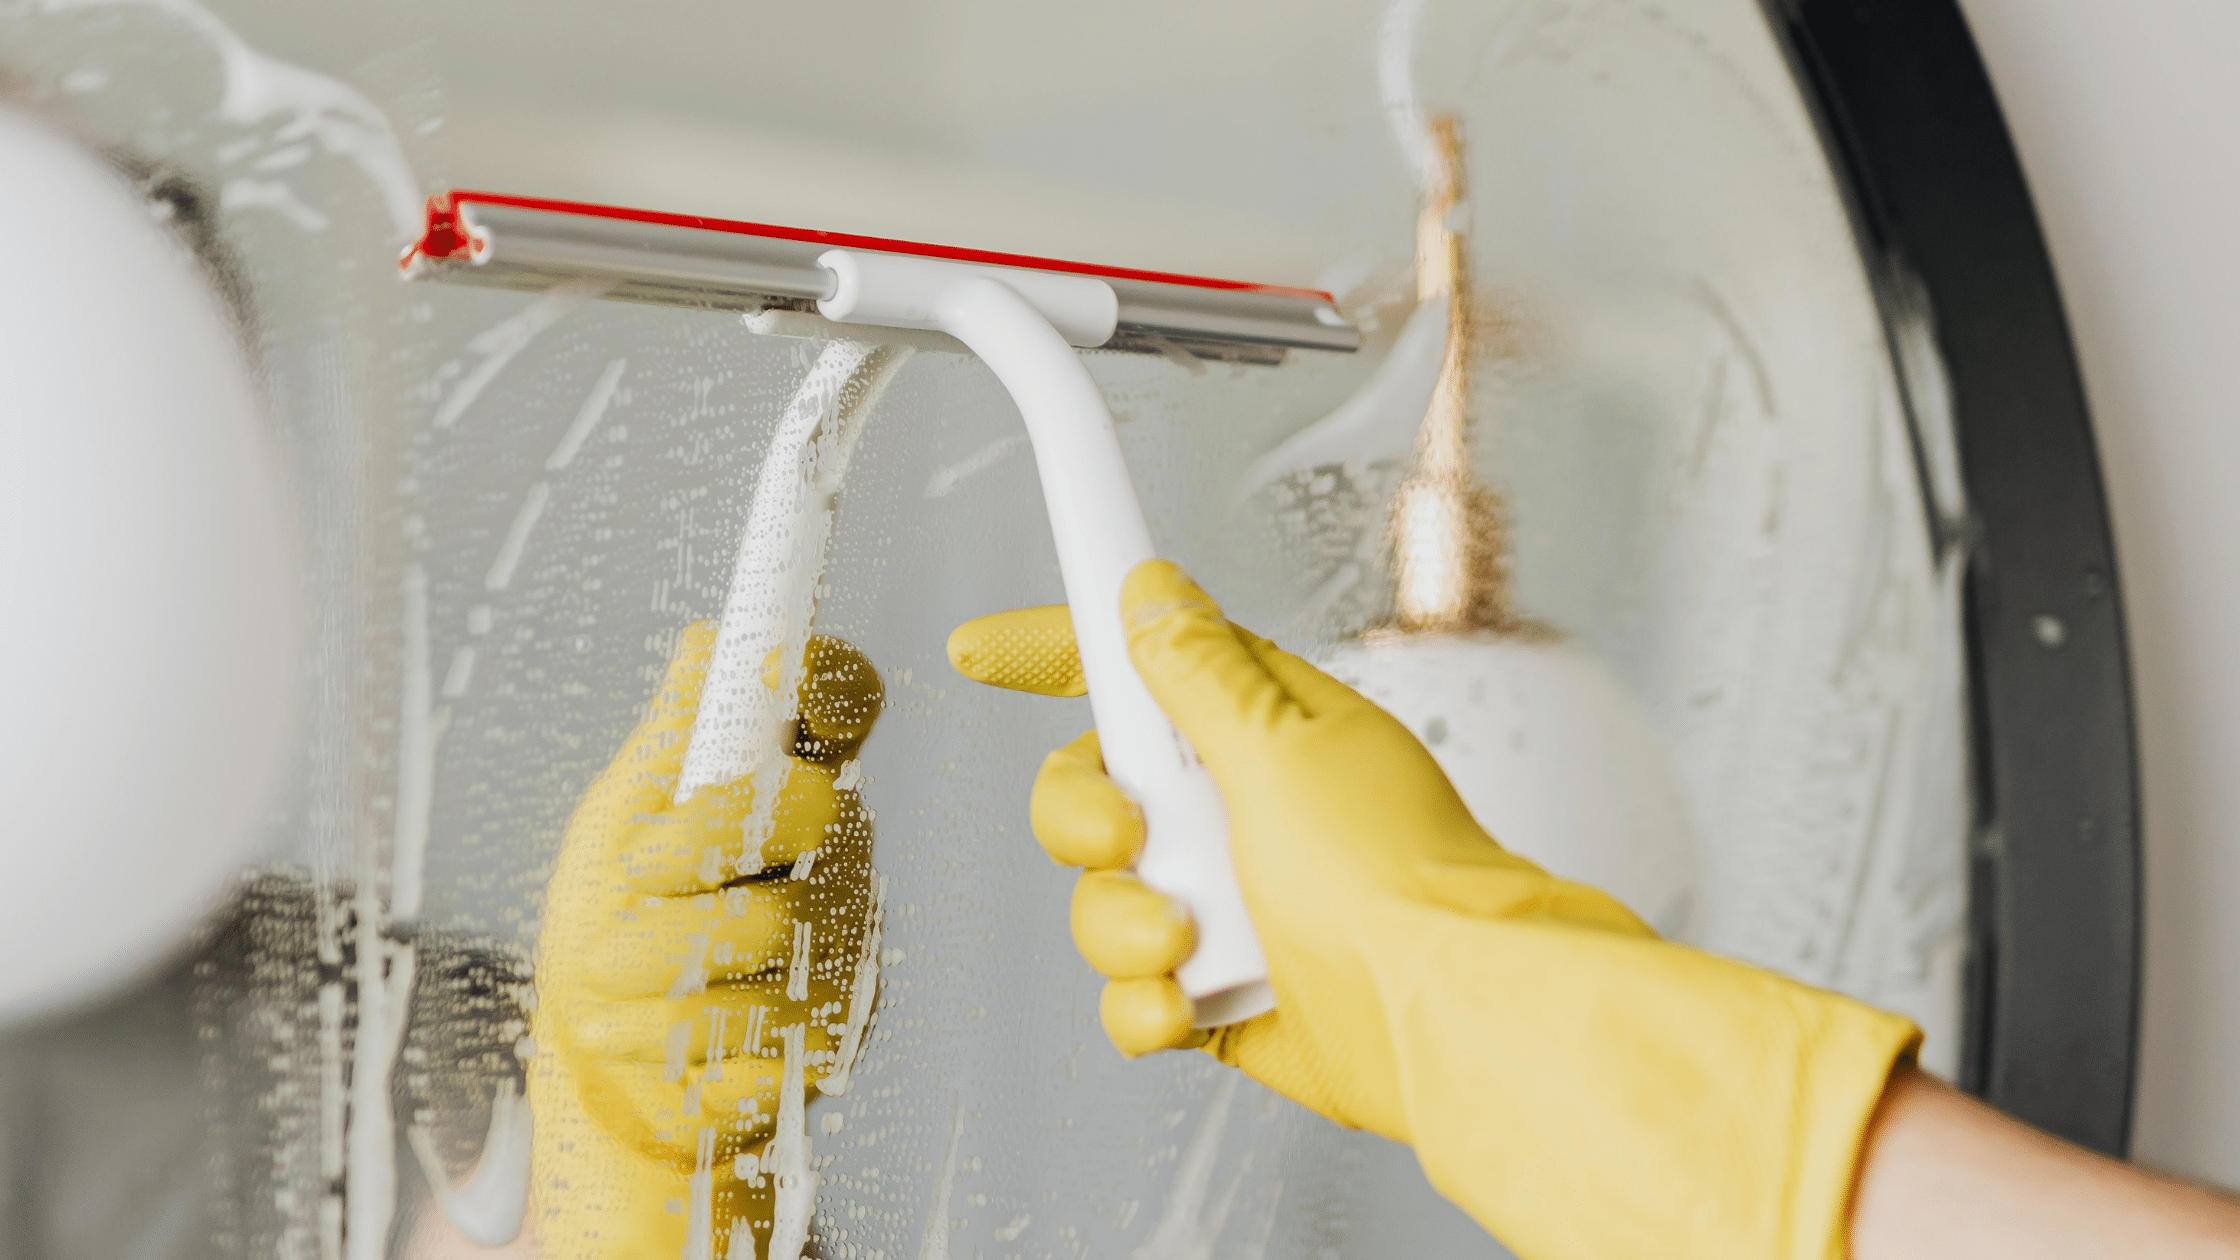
442, 239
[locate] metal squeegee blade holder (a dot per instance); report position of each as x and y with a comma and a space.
532, 244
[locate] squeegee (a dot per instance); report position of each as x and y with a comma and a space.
1025, 317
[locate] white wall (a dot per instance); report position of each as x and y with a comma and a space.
2128, 119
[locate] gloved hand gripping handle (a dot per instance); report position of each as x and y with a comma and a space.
1025, 325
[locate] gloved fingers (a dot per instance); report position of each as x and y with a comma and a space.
1079, 814
642, 775
700, 845
1316, 692
1147, 1014
1128, 930
811, 815
1218, 693
1026, 649
840, 698
665, 848
681, 1035
659, 1108
742, 933
679, 696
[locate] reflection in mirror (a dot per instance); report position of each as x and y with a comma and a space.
857, 1023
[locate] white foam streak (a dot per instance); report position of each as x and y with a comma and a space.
692, 978
787, 1159
333, 1114
797, 975
420, 727
588, 416
508, 337
1396, 86
934, 1243
863, 994
457, 678
516, 541
699, 1238
371, 1145
946, 477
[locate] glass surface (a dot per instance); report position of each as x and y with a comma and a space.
519, 502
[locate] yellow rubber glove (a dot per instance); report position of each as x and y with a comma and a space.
1585, 1090
666, 977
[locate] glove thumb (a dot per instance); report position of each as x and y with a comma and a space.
1216, 690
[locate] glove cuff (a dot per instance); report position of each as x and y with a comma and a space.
1587, 1094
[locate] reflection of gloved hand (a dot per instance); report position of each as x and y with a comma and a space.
1581, 1087
665, 974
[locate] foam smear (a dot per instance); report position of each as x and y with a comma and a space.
385, 969
313, 107
385, 965
746, 720
786, 1159
1396, 86
1381, 418
499, 343
946, 477
861, 995
420, 726
489, 1207
1190, 1227
743, 723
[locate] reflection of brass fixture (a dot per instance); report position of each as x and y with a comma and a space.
1449, 533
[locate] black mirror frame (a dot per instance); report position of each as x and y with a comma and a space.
1945, 224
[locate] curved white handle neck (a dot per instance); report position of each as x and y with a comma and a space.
1098, 525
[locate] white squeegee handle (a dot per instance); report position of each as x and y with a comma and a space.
1024, 325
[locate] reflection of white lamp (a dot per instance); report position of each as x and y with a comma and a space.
1551, 753
148, 647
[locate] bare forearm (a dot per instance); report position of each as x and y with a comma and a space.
1944, 1175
